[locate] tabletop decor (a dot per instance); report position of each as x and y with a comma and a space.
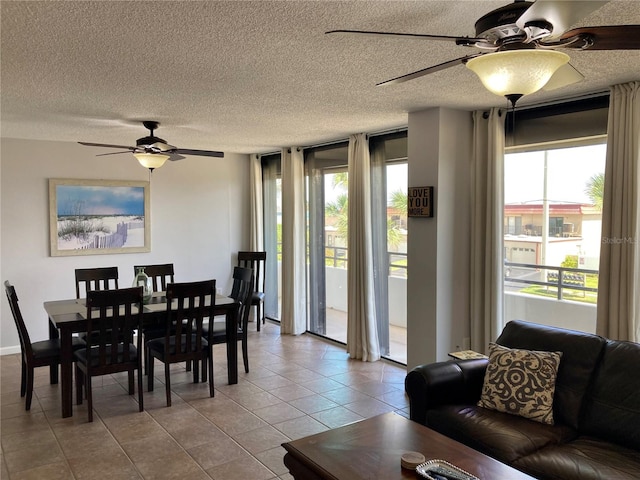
94, 217
143, 280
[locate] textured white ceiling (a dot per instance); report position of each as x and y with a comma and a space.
248, 76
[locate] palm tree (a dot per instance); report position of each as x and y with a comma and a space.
595, 189
341, 179
339, 209
399, 201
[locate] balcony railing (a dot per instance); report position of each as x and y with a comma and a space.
536, 231
338, 257
562, 278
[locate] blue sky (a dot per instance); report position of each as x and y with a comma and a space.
99, 200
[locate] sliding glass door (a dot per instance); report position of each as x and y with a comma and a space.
327, 200
328, 226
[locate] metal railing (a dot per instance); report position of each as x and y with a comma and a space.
397, 264
562, 278
338, 257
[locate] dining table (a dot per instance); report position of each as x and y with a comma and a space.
67, 317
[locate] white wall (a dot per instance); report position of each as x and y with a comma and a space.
336, 285
398, 302
439, 146
549, 311
336, 295
199, 220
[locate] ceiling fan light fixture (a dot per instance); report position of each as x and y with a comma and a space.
517, 72
151, 160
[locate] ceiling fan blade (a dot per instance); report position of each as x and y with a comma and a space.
612, 37
562, 14
458, 40
565, 75
89, 144
112, 153
174, 157
202, 153
426, 71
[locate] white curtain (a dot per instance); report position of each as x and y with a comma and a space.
362, 330
487, 257
256, 243
618, 314
294, 315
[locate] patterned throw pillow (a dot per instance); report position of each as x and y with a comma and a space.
521, 382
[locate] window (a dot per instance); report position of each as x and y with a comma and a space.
553, 178
555, 192
513, 225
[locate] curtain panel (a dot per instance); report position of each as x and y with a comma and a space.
270, 172
256, 242
618, 314
362, 329
379, 242
487, 257
294, 314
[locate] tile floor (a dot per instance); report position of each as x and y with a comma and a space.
297, 386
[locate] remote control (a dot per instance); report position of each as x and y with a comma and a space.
448, 473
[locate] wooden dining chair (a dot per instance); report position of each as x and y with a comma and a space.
241, 292
37, 354
256, 261
103, 278
111, 346
89, 279
161, 275
188, 305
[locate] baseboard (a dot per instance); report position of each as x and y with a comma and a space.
9, 350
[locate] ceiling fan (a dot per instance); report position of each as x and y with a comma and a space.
153, 151
518, 39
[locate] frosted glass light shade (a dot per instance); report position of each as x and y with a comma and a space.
517, 72
151, 160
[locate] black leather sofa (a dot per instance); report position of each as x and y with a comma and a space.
596, 407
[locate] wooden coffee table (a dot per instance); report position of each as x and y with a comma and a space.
371, 449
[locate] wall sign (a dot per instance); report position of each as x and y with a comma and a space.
420, 201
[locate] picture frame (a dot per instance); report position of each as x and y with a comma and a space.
420, 202
98, 217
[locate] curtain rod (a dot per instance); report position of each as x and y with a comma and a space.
337, 142
585, 96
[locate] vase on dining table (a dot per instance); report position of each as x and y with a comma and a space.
143, 280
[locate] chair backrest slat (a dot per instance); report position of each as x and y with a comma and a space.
188, 305
111, 321
255, 261
242, 290
103, 278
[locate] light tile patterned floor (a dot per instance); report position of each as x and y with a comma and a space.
297, 386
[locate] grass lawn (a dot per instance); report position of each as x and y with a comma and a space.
567, 293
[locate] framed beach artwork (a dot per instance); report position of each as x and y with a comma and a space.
96, 217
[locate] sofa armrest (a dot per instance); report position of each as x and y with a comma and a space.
443, 383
